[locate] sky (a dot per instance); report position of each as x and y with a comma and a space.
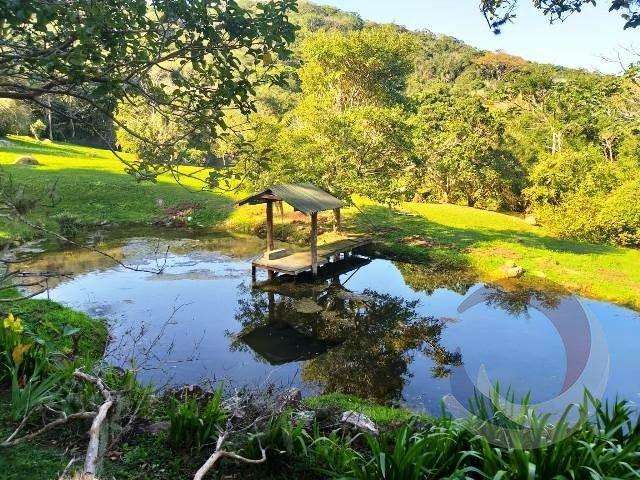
590, 40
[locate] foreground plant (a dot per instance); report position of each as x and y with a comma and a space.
192, 426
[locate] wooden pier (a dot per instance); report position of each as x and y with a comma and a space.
299, 262
309, 199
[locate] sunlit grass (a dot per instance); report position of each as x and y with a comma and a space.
92, 184
490, 240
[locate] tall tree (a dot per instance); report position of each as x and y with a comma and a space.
348, 132
459, 146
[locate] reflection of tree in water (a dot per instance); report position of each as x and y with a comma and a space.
379, 340
423, 278
517, 300
373, 337
512, 296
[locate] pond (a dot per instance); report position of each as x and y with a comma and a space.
388, 331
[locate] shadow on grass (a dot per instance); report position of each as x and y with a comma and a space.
394, 227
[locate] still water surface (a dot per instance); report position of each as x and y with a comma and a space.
383, 330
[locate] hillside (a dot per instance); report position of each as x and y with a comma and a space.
453, 124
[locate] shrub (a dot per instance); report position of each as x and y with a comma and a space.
37, 129
619, 218
69, 225
597, 217
15, 118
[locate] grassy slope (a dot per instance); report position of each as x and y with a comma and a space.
490, 239
92, 184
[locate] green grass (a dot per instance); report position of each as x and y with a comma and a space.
379, 414
47, 319
93, 186
488, 240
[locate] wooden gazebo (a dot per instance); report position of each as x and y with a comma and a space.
310, 200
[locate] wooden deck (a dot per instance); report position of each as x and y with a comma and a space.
299, 262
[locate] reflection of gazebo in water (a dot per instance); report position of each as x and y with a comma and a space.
284, 331
280, 344
308, 199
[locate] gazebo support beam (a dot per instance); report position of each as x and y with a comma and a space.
314, 243
270, 245
336, 220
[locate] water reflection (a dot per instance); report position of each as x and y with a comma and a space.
355, 343
377, 329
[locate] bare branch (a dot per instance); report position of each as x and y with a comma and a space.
219, 454
10, 442
93, 450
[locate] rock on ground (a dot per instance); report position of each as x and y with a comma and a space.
511, 270
359, 421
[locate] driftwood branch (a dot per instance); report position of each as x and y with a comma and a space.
11, 441
219, 454
93, 450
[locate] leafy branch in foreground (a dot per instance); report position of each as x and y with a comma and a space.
499, 12
186, 62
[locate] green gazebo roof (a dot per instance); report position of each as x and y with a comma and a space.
304, 197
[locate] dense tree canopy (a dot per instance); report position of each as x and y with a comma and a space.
359, 108
450, 123
213, 54
459, 144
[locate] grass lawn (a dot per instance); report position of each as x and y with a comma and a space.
92, 185
488, 240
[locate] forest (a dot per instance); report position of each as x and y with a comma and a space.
456, 295
393, 115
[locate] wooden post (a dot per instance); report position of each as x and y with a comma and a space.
336, 220
269, 226
314, 243
271, 306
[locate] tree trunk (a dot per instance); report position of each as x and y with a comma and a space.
49, 119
